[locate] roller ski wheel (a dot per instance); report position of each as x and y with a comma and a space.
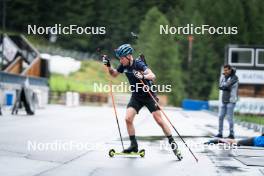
142, 153
111, 153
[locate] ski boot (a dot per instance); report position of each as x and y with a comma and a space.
132, 148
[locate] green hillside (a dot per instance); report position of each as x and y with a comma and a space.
83, 80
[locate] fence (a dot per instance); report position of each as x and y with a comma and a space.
244, 106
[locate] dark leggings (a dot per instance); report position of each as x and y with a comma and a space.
246, 142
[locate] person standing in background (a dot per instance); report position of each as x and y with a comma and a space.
229, 85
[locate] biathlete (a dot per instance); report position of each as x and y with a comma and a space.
136, 70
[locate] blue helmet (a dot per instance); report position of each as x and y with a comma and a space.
124, 50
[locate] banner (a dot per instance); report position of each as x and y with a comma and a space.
250, 76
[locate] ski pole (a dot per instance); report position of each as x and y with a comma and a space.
169, 121
113, 104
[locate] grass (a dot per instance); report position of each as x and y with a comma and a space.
91, 72
250, 118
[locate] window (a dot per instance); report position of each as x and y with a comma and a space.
241, 56
260, 57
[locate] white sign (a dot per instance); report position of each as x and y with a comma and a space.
10, 49
250, 106
250, 76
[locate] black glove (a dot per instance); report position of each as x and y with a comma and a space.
138, 75
106, 60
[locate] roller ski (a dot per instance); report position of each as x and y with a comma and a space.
175, 148
178, 154
132, 150
140, 153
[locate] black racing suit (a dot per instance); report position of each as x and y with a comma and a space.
139, 97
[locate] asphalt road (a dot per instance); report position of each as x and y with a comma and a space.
61, 140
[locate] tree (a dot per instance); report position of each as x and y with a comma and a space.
201, 71
161, 53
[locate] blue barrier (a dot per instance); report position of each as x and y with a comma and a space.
9, 99
196, 105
